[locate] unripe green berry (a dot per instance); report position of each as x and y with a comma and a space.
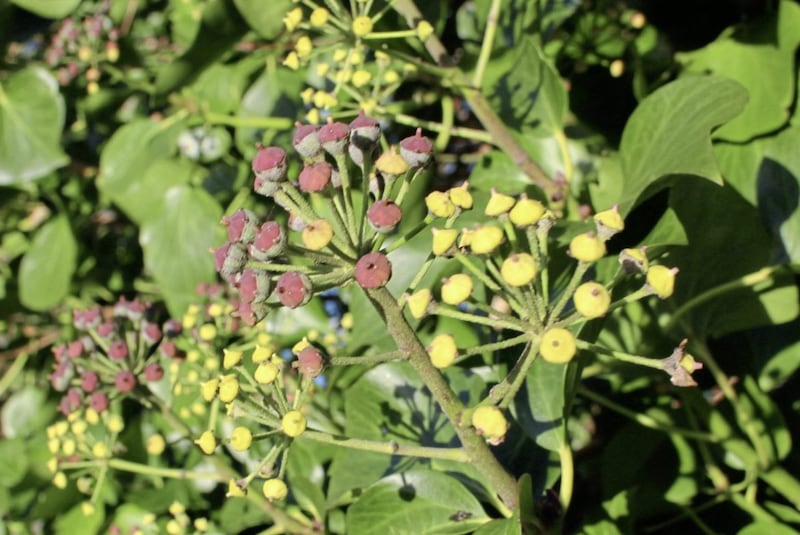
591, 299
275, 489
661, 280
557, 345
442, 350
293, 424
456, 289
490, 422
587, 247
519, 269
241, 438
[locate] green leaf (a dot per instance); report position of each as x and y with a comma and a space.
767, 420
760, 56
13, 461
762, 527
125, 166
775, 350
656, 144
530, 95
266, 18
49, 9
219, 88
75, 521
31, 120
540, 407
727, 241
176, 244
306, 477
24, 412
418, 501
46, 269
502, 526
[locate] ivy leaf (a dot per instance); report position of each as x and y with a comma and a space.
418, 501
46, 269
49, 9
540, 406
176, 244
31, 120
656, 144
266, 18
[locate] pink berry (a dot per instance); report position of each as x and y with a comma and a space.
293, 289
416, 149
254, 286
89, 381
333, 137
310, 362
373, 270
315, 176
269, 241
118, 350
241, 225
306, 141
153, 372
125, 381
384, 215
98, 401
270, 163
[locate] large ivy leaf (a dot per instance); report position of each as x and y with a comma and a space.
668, 133
540, 407
727, 241
46, 269
49, 9
126, 160
530, 95
419, 501
266, 18
760, 56
31, 120
176, 244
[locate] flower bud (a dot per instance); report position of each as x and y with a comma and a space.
254, 285
519, 269
293, 289
486, 239
416, 150
439, 204
384, 215
310, 362
418, 303
317, 234
526, 212
460, 196
242, 225
306, 141
633, 260
241, 438
364, 131
230, 259
456, 289
315, 176
443, 240
293, 424
125, 381
587, 247
442, 350
275, 489
661, 280
557, 345
269, 241
591, 299
608, 223
207, 442
333, 137
490, 422
373, 270
499, 203
270, 164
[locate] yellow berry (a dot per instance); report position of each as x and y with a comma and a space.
608, 222
443, 240
241, 438
591, 299
418, 302
207, 332
486, 239
207, 442
115, 423
490, 422
442, 350
231, 358
587, 247
465, 240
155, 444
234, 490
439, 204
228, 388
499, 203
424, 30
274, 489
60, 480
319, 17
101, 451
261, 353
362, 25
292, 61
456, 289
661, 280
633, 260
361, 78
317, 234
87, 508
391, 163
526, 212
293, 18
301, 345
461, 196
293, 423
209, 389
519, 269
557, 345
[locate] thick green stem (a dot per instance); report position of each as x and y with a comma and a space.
476, 450
389, 448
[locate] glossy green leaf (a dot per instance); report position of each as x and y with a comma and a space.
539, 408
46, 269
266, 18
762, 527
760, 56
768, 420
126, 161
220, 88
176, 244
418, 501
727, 241
31, 119
502, 526
76, 521
775, 350
13, 461
306, 475
615, 519
530, 95
49, 9
24, 412
657, 144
